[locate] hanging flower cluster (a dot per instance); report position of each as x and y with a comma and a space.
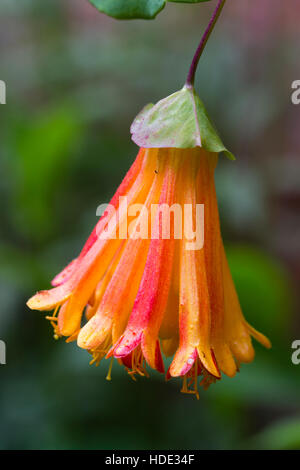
143, 287
133, 298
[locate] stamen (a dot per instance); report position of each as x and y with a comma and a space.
99, 353
190, 381
53, 320
97, 357
108, 377
138, 364
56, 310
184, 385
131, 374
207, 380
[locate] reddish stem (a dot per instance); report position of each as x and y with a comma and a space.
191, 75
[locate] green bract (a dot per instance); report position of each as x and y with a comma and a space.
180, 121
132, 9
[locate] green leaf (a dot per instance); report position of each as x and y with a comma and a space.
129, 9
179, 121
188, 1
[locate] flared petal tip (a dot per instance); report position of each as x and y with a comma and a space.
268, 343
182, 363
125, 350
209, 362
262, 339
126, 344
94, 333
265, 341
83, 340
243, 351
37, 302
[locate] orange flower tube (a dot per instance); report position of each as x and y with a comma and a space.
143, 295
153, 278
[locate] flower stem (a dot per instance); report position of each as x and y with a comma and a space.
191, 75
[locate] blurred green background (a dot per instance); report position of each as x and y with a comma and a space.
75, 80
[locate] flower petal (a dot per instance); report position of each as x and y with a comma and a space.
158, 270
170, 345
213, 249
153, 292
91, 268
259, 336
49, 299
118, 298
194, 310
235, 330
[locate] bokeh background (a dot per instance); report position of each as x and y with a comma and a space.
75, 80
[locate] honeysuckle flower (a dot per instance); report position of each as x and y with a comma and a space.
145, 296
147, 286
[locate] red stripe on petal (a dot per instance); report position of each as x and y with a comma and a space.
159, 363
151, 300
127, 361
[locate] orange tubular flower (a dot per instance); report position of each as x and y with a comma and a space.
143, 295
